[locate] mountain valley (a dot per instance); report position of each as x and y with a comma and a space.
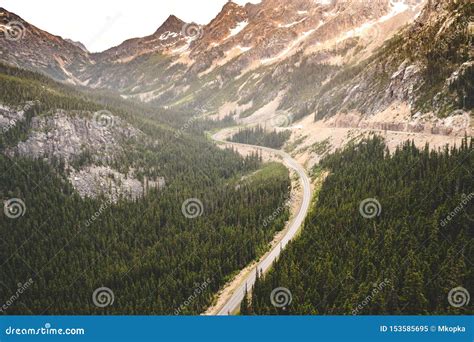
171, 167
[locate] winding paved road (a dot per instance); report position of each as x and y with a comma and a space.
294, 226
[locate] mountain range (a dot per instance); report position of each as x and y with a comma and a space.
302, 57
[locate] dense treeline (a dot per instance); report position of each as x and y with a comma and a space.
145, 250
261, 137
403, 261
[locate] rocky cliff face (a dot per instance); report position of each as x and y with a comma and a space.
427, 65
89, 144
67, 135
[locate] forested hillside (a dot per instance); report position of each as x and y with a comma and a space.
259, 136
390, 234
19, 85
153, 251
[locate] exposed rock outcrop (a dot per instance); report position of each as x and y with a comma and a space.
87, 143
66, 135
94, 180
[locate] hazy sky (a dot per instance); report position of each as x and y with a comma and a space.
101, 24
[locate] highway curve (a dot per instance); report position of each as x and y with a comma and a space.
294, 226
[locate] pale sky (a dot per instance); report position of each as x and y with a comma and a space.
101, 24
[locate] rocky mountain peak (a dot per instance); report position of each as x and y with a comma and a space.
38, 50
230, 5
230, 14
171, 24
230, 21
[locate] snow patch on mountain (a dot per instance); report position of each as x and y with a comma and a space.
244, 48
323, 2
293, 23
240, 26
397, 8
